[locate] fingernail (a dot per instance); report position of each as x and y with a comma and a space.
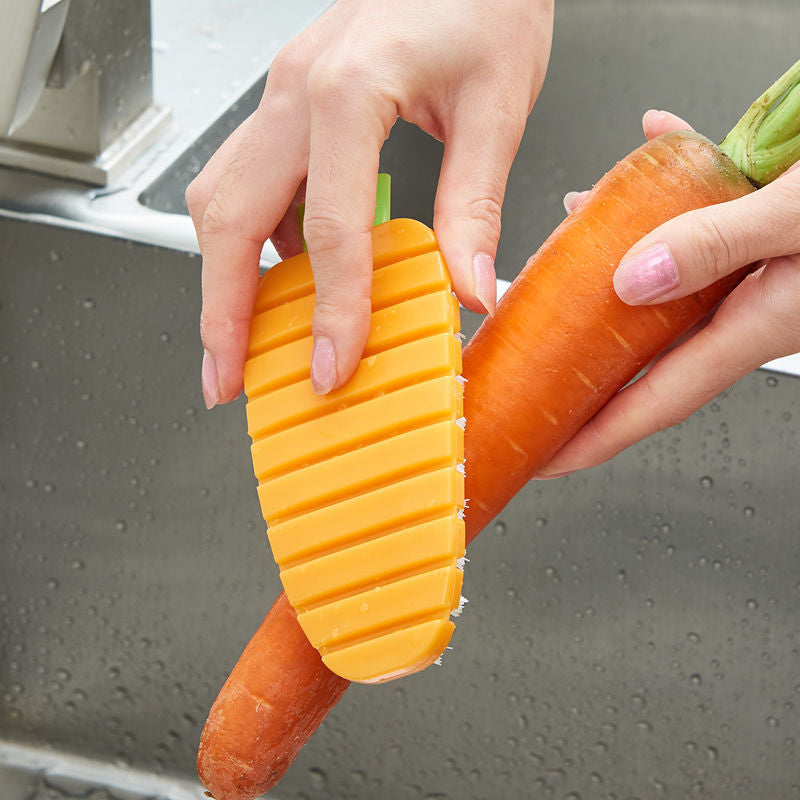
323, 365
548, 476
485, 281
209, 380
646, 275
570, 199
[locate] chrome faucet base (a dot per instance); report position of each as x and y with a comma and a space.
101, 170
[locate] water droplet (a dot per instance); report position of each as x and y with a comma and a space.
89, 303
121, 526
771, 381
696, 679
712, 753
693, 637
752, 604
749, 512
499, 527
53, 584
318, 778
164, 336
773, 722
706, 481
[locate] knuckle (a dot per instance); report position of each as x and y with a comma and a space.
197, 195
217, 216
333, 304
714, 247
486, 209
287, 68
221, 216
664, 411
324, 227
598, 440
333, 79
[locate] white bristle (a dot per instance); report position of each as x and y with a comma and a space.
460, 468
461, 379
461, 603
461, 422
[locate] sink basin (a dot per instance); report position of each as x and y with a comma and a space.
632, 629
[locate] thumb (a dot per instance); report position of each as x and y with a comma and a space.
699, 247
479, 150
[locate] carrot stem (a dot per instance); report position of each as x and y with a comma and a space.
766, 140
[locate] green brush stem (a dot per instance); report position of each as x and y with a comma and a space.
766, 140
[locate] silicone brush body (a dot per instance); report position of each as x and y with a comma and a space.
363, 489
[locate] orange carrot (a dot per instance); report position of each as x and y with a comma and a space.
275, 698
559, 347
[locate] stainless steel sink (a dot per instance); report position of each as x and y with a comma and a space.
632, 630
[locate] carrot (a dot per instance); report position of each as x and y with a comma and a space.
559, 347
258, 723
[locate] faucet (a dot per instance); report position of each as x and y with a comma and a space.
76, 92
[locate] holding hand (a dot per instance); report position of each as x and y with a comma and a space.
466, 72
758, 322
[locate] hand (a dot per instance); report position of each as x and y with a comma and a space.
466, 72
757, 322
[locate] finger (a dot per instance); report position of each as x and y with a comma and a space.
759, 321
239, 217
573, 199
348, 127
654, 123
695, 249
200, 191
479, 150
287, 238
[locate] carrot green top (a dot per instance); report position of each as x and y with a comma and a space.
766, 140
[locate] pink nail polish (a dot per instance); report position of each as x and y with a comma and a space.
646, 275
485, 281
209, 380
323, 365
